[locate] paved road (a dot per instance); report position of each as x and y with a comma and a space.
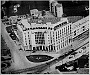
34, 70
38, 69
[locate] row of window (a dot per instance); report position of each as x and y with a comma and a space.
39, 38
62, 40
39, 35
63, 44
22, 16
78, 30
58, 26
43, 48
40, 41
63, 31
38, 28
50, 48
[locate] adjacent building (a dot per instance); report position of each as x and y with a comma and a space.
80, 26
56, 9
14, 19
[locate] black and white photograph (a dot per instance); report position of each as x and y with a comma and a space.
44, 36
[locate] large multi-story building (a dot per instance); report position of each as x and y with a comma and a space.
53, 33
50, 34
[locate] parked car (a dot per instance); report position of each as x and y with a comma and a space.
84, 47
70, 68
5, 65
14, 27
13, 36
9, 29
5, 52
71, 56
61, 68
7, 23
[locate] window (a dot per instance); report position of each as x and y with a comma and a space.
28, 35
57, 47
56, 35
60, 25
65, 23
61, 40
53, 35
29, 41
66, 30
74, 32
25, 38
69, 40
70, 26
65, 43
83, 28
39, 38
26, 43
51, 40
62, 31
54, 47
61, 45
70, 31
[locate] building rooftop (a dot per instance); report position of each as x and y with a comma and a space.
72, 19
25, 23
48, 15
53, 20
59, 5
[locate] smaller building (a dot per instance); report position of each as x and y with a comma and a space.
13, 19
21, 17
80, 26
56, 9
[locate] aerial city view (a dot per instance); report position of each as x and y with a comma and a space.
45, 37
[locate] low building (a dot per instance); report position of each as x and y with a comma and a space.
21, 17
14, 19
80, 26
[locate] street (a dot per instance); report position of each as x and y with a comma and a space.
20, 63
